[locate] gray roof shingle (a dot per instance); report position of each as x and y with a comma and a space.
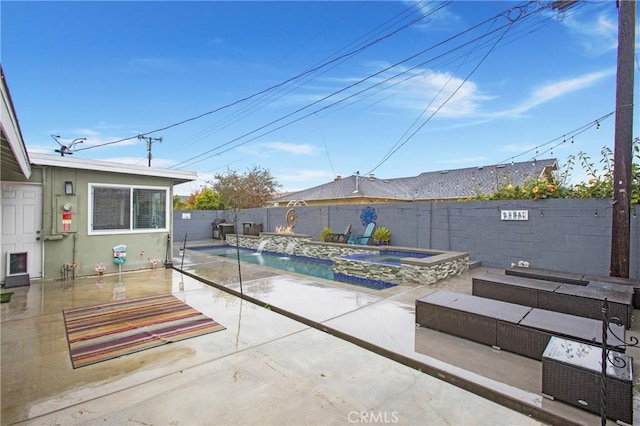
443, 184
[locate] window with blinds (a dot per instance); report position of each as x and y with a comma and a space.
128, 208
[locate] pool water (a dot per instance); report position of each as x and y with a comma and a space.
318, 268
314, 268
389, 257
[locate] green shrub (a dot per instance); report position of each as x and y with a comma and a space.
598, 185
324, 234
381, 235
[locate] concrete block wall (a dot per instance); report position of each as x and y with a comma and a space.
562, 234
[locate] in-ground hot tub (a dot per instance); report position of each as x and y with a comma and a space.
391, 257
401, 266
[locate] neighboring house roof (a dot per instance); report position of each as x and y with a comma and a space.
14, 161
439, 185
178, 176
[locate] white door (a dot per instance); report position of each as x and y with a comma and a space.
21, 212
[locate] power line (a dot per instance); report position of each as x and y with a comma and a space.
273, 95
280, 86
399, 144
204, 156
254, 95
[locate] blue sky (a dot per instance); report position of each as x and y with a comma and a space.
312, 90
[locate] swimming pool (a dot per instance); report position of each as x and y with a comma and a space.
319, 268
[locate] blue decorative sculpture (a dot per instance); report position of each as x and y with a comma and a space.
368, 215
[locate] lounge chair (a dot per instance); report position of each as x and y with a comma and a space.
365, 237
340, 238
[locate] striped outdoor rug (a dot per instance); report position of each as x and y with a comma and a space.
98, 333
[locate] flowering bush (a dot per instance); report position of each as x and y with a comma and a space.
598, 185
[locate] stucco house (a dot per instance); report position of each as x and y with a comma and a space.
440, 185
64, 216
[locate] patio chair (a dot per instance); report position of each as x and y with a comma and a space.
365, 237
340, 238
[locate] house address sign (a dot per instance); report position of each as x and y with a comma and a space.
514, 214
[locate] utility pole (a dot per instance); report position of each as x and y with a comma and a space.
622, 152
149, 141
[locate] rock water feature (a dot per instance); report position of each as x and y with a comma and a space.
409, 270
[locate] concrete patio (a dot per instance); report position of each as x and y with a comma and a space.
295, 351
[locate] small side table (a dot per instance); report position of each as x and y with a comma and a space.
571, 373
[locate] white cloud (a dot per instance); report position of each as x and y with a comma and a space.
423, 88
441, 19
439, 87
596, 34
252, 150
268, 149
554, 90
298, 149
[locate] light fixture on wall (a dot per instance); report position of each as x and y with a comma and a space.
68, 187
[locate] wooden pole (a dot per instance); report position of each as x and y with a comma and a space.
622, 154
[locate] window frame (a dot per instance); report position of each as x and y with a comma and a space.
131, 230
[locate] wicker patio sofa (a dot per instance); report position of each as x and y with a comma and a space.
612, 283
513, 289
587, 302
547, 275
571, 299
516, 328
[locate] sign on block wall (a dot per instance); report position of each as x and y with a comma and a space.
514, 215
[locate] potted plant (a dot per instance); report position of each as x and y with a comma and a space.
381, 236
325, 233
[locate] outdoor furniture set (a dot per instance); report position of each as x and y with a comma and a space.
626, 285
553, 296
520, 329
554, 322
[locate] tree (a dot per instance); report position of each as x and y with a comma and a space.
255, 188
208, 199
178, 204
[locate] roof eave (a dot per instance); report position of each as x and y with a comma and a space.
178, 176
11, 129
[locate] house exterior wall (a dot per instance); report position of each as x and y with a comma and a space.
572, 235
62, 249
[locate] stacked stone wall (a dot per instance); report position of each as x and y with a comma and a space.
412, 272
